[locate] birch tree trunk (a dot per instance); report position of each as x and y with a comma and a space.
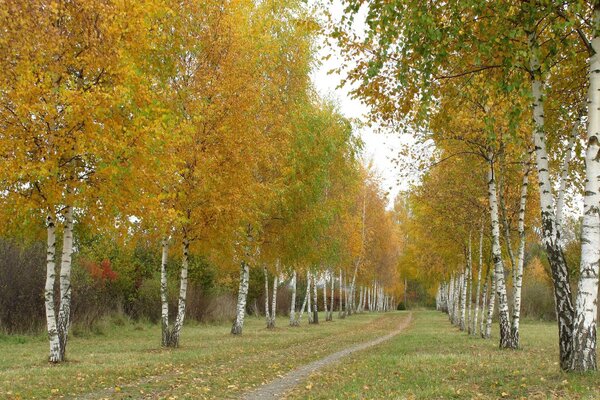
469, 285
238, 324
267, 315
586, 305
304, 302
478, 292
325, 299
316, 301
64, 313
463, 298
451, 299
518, 275
346, 295
274, 301
491, 305
343, 297
550, 234
183, 282
55, 353
308, 295
330, 318
503, 314
164, 299
293, 321
484, 310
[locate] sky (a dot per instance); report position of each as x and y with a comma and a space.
379, 148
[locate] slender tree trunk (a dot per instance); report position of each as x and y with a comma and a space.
484, 298
267, 314
343, 297
274, 300
550, 234
308, 295
64, 314
586, 305
518, 276
55, 353
293, 321
183, 282
451, 299
478, 293
316, 301
164, 299
340, 304
491, 305
346, 295
330, 318
238, 325
503, 314
325, 299
469, 285
457, 299
305, 301
463, 298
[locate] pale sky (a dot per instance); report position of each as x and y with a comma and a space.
378, 147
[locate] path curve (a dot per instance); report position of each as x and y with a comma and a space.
280, 386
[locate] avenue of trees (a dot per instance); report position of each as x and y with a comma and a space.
503, 98
189, 129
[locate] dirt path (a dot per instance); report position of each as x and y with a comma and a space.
280, 386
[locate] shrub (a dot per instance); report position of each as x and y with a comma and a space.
22, 277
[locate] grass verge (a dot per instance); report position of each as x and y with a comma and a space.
433, 360
127, 361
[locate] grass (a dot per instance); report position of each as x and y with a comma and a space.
127, 362
433, 360
430, 360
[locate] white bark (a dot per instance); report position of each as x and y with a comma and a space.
164, 294
293, 321
586, 308
484, 310
325, 299
308, 295
550, 234
64, 314
238, 324
451, 299
183, 283
267, 314
469, 286
503, 314
55, 353
271, 324
518, 274
330, 318
491, 305
463, 298
478, 292
341, 313
315, 319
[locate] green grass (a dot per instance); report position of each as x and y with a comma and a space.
127, 361
430, 360
433, 360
